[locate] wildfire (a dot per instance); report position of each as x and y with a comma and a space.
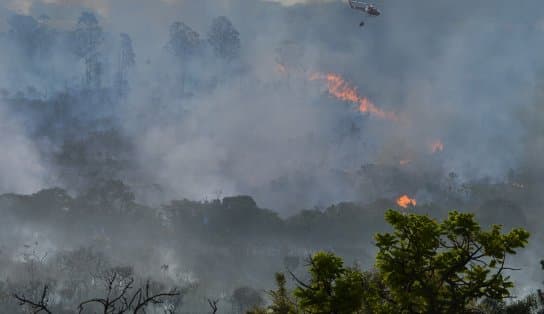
404, 162
405, 201
437, 147
342, 90
280, 68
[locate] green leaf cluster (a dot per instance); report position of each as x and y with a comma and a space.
422, 266
444, 267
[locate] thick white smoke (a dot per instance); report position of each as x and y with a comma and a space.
21, 167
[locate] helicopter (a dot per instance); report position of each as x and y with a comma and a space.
367, 8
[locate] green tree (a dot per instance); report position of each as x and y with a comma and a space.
444, 267
281, 302
423, 266
333, 288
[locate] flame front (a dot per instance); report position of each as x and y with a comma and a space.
342, 90
280, 68
437, 147
404, 162
405, 201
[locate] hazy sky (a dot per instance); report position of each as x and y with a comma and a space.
460, 72
103, 6
465, 73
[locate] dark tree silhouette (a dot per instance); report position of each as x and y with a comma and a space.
126, 60
40, 306
183, 43
88, 37
122, 298
213, 305
224, 38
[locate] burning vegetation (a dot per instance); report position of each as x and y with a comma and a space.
405, 162
437, 146
405, 201
127, 222
342, 90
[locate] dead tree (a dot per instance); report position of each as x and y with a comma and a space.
144, 297
120, 299
36, 306
213, 305
113, 299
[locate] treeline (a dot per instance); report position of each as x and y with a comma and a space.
48, 58
227, 250
221, 249
422, 266
111, 204
109, 207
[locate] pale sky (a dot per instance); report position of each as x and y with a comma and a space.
101, 6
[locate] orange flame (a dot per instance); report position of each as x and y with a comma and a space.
404, 162
437, 147
405, 201
342, 90
280, 68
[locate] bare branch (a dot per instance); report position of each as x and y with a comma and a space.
213, 305
36, 306
149, 298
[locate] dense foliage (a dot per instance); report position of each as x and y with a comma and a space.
423, 266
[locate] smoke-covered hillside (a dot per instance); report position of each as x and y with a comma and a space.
130, 128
